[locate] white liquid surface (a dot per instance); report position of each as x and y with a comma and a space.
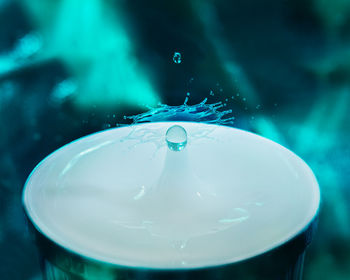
121, 196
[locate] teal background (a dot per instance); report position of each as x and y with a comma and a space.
70, 68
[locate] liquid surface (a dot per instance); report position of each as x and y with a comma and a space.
121, 196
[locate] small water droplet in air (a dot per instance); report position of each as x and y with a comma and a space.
176, 138
232, 97
177, 57
237, 94
258, 106
226, 99
188, 94
211, 93
244, 99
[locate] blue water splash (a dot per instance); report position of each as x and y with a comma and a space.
201, 112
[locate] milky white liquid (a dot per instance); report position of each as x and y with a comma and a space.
123, 197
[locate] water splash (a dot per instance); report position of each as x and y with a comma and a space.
201, 112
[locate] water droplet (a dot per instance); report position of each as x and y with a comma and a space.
188, 94
211, 93
177, 57
176, 138
258, 106
226, 99
244, 99
186, 100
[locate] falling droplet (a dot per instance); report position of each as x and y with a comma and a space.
176, 138
177, 57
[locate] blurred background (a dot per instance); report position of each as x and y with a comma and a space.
70, 68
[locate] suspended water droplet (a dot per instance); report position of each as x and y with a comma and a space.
177, 57
211, 93
176, 138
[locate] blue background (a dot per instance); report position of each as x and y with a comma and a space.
70, 68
